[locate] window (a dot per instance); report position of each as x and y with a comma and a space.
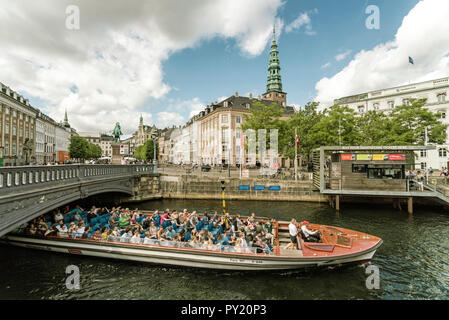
442, 153
376, 106
423, 153
14, 113
14, 149
21, 116
238, 119
225, 149
359, 168
6, 148
6, 128
361, 109
406, 102
247, 105
386, 171
441, 97
6, 110
391, 104
423, 165
224, 118
225, 104
442, 114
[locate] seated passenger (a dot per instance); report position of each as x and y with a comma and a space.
104, 233
310, 236
97, 235
135, 238
152, 231
62, 228
32, 230
52, 231
58, 216
115, 232
124, 221
170, 233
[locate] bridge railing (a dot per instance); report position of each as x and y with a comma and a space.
15, 178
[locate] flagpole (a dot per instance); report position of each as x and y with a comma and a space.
296, 154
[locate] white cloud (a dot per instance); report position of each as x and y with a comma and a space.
343, 55
326, 65
168, 119
115, 59
387, 64
302, 20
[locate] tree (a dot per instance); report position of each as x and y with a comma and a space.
140, 153
268, 118
303, 121
78, 148
336, 126
148, 148
374, 128
93, 151
409, 122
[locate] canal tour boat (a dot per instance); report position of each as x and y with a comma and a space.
338, 247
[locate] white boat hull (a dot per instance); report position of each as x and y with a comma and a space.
186, 257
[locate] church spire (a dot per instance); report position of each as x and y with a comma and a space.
141, 120
66, 119
274, 81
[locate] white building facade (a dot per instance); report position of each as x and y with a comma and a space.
384, 100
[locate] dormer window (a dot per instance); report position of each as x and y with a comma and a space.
225, 104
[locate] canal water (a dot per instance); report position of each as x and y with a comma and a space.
413, 262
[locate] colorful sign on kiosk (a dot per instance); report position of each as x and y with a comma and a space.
373, 157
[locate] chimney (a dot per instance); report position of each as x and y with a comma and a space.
236, 94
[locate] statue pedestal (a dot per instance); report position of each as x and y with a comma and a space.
116, 157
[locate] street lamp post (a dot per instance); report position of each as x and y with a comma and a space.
154, 153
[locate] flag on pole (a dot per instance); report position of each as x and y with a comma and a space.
410, 60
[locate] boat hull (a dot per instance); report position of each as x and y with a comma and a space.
187, 257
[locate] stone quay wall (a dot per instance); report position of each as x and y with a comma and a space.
194, 187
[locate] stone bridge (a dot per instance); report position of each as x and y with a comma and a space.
28, 192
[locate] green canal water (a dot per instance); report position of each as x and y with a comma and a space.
413, 263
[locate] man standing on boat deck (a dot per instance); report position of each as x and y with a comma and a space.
293, 231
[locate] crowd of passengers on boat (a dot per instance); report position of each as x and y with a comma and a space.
172, 228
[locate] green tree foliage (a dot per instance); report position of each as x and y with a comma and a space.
148, 147
93, 151
336, 126
405, 125
140, 153
81, 149
266, 117
373, 128
408, 123
78, 148
304, 121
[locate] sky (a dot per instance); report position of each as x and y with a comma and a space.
167, 60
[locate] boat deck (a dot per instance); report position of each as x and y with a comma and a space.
290, 253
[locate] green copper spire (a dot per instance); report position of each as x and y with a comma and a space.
141, 120
274, 83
